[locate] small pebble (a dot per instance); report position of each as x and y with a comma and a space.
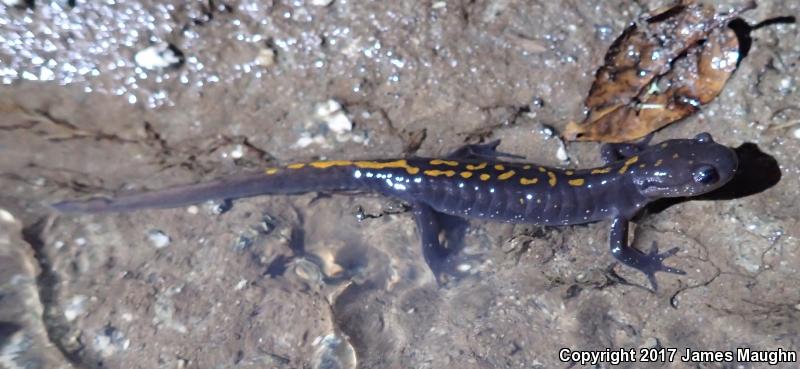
265, 57
220, 207
75, 308
321, 2
6, 216
796, 133
238, 152
325, 109
547, 132
158, 56
334, 117
340, 123
193, 209
243, 243
158, 238
242, 283
439, 5
561, 153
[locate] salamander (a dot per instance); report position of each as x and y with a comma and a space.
474, 182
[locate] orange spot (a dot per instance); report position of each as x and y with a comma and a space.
526, 166
658, 162
477, 167
466, 174
569, 172
296, 165
436, 173
628, 163
271, 171
445, 162
485, 177
330, 163
576, 182
387, 164
499, 167
506, 175
601, 170
552, 180
542, 169
527, 181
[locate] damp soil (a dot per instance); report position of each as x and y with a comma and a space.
105, 97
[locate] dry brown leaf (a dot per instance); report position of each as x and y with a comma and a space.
659, 74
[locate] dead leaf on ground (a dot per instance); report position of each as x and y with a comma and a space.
658, 73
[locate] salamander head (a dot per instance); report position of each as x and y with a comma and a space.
684, 167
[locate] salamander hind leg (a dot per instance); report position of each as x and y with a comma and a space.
647, 263
443, 262
487, 151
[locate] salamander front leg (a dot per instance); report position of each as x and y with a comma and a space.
611, 152
649, 263
487, 151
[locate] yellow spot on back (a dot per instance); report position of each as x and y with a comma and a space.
402, 163
576, 182
552, 180
477, 167
601, 171
569, 172
296, 165
499, 167
506, 175
445, 162
436, 172
526, 166
658, 162
271, 171
628, 163
466, 174
642, 165
485, 177
542, 169
330, 163
675, 155
664, 145
527, 181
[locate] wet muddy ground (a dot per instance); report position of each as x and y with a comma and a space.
100, 98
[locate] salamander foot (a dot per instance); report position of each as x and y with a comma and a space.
487, 151
652, 262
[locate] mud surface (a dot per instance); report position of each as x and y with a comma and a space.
300, 282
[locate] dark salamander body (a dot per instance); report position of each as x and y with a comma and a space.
472, 183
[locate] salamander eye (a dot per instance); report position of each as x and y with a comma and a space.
705, 174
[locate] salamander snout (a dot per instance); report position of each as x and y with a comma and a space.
685, 167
